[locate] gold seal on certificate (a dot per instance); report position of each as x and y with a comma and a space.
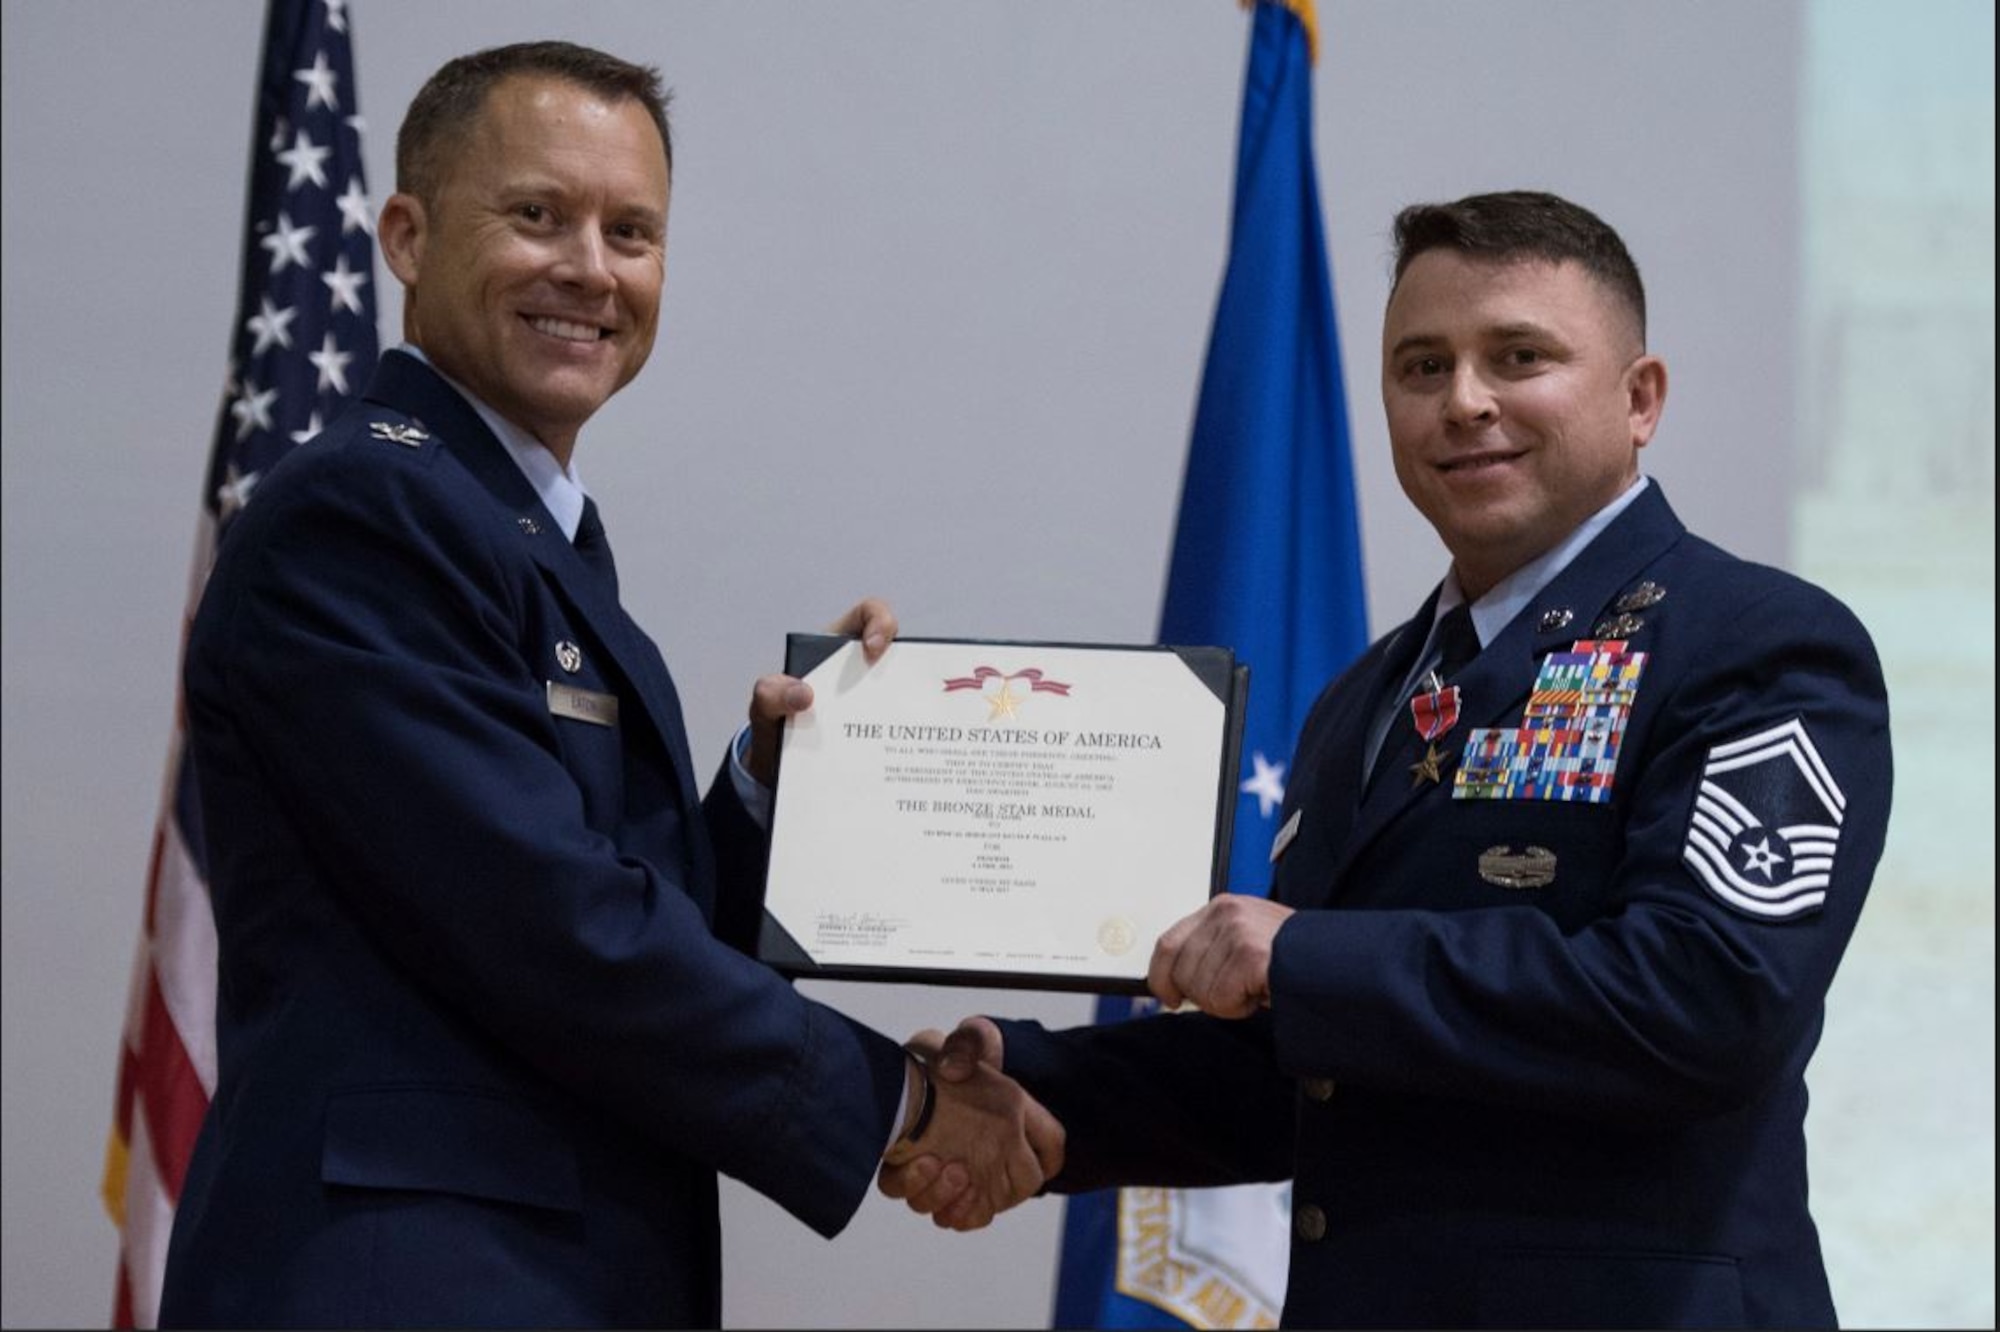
1114, 936
985, 813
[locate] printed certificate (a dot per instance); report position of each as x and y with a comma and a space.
985, 813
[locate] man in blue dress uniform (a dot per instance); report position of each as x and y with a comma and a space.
1562, 877
486, 1023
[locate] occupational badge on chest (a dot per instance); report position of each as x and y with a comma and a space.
1504, 867
1566, 747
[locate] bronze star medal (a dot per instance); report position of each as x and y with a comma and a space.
1429, 768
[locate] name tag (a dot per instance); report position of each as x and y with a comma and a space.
583, 705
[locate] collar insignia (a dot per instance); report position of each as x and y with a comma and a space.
1622, 625
1648, 593
407, 435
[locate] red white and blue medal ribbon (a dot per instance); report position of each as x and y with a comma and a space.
1434, 708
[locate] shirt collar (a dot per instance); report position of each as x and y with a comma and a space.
561, 493
1506, 599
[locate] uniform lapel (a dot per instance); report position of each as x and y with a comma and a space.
594, 598
1495, 687
1330, 784
407, 385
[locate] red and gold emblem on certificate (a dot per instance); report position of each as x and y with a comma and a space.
997, 687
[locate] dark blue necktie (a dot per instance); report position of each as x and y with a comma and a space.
1455, 644
594, 546
1458, 641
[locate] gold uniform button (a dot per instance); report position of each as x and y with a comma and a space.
1309, 1223
1319, 1089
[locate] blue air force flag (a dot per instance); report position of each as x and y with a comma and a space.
1267, 561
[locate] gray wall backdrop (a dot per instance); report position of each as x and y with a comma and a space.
940, 282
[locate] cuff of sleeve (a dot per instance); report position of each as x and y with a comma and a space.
910, 1127
756, 796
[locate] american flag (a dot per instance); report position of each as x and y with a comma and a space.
303, 344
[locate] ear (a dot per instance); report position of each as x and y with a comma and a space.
401, 229
1645, 397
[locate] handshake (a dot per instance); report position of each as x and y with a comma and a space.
975, 1143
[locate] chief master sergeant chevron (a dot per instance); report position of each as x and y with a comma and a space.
484, 1039
1559, 888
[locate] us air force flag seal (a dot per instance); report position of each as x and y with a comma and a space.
1766, 823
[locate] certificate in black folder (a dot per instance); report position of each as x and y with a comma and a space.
972, 812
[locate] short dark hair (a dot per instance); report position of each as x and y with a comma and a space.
451, 100
1523, 224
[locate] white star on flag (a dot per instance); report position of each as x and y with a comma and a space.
345, 284
320, 81
1267, 784
331, 362
277, 394
252, 409
288, 244
234, 491
271, 326
304, 158
353, 205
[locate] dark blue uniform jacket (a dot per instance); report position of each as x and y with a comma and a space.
482, 1051
1512, 1102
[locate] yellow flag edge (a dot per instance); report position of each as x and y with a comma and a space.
117, 1159
1308, 17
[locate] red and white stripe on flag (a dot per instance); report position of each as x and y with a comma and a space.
302, 347
166, 1070
166, 1067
